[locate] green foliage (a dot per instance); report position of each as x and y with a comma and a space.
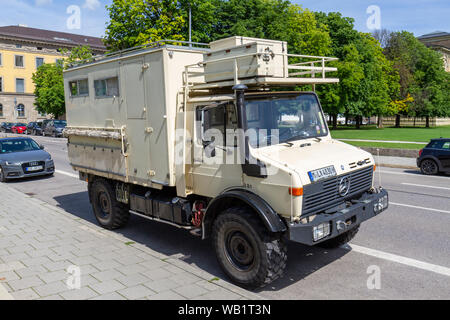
49, 89
77, 54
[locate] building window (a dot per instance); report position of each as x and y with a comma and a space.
1, 84
19, 61
18, 46
39, 48
79, 88
20, 85
107, 87
1, 110
39, 62
21, 111
1, 60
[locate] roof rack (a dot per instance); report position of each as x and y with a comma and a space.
288, 75
150, 45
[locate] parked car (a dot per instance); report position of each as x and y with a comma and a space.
34, 128
23, 157
6, 126
54, 128
19, 128
435, 157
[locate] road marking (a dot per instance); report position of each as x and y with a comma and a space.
425, 186
416, 207
67, 174
402, 260
413, 174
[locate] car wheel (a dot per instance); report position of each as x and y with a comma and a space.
250, 255
429, 167
110, 213
2, 175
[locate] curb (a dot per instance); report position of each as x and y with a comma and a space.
397, 166
202, 275
4, 294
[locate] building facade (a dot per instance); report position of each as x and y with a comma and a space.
22, 51
439, 41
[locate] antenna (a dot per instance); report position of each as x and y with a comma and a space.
379, 167
190, 26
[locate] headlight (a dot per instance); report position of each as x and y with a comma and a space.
321, 231
8, 163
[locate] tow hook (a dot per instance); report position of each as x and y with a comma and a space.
342, 225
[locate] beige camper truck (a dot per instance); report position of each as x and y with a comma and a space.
208, 138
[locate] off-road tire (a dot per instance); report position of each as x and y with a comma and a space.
339, 240
2, 175
110, 213
429, 167
267, 251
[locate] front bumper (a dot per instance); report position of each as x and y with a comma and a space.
342, 221
16, 171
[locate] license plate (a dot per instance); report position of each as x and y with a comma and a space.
37, 168
322, 174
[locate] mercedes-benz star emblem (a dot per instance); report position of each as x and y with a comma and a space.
344, 186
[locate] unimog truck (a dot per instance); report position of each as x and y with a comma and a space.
217, 139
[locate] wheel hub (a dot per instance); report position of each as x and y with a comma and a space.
239, 251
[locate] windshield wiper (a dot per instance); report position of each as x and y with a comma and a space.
290, 144
318, 139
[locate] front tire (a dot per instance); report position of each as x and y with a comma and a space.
248, 253
339, 240
429, 167
110, 213
2, 175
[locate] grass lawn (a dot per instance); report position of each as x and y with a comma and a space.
386, 145
392, 134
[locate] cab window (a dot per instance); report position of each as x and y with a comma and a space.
221, 117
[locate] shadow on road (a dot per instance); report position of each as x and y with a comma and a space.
171, 241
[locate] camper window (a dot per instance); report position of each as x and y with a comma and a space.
79, 88
107, 88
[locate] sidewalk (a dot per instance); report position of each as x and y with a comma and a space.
384, 141
39, 242
396, 162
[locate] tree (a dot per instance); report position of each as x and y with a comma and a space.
49, 89
422, 77
77, 54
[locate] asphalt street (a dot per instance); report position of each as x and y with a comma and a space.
408, 245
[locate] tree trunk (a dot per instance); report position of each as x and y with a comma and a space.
380, 122
428, 121
346, 120
335, 121
358, 122
397, 121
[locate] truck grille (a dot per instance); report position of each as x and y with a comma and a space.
324, 195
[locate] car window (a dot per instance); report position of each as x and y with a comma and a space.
435, 145
446, 146
11, 146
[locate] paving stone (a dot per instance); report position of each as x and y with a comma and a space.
184, 278
53, 298
161, 285
31, 271
157, 274
79, 294
51, 288
36, 261
133, 279
110, 296
49, 277
59, 265
131, 269
106, 265
220, 294
25, 283
7, 276
167, 295
27, 294
190, 291
107, 275
107, 286
136, 292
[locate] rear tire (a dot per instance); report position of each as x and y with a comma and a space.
110, 213
429, 167
248, 253
339, 240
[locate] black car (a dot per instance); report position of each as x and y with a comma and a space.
34, 128
6, 126
54, 128
435, 157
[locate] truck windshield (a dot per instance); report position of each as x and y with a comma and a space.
275, 120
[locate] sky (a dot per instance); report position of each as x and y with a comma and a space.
89, 17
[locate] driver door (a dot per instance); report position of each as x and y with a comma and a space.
216, 166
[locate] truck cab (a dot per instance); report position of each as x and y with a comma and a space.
211, 140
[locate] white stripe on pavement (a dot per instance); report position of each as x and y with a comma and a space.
416, 207
413, 174
402, 260
67, 174
425, 186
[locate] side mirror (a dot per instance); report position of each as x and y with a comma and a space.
42, 147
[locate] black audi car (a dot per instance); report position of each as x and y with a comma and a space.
435, 157
6, 126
